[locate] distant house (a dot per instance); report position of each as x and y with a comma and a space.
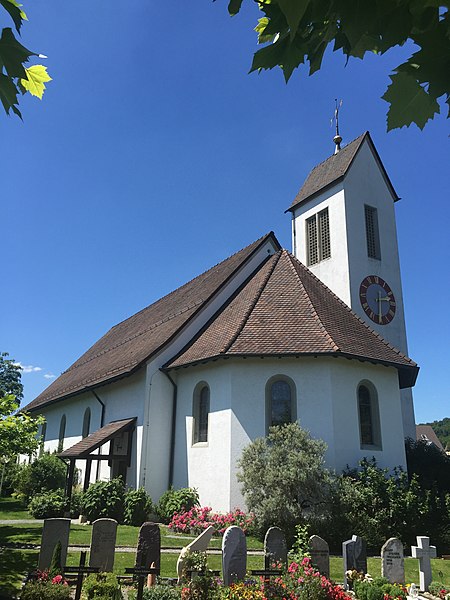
173, 394
426, 433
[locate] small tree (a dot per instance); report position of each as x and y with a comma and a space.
284, 478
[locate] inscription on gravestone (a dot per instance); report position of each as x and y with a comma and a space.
54, 531
392, 561
234, 555
354, 556
103, 544
275, 548
149, 546
320, 554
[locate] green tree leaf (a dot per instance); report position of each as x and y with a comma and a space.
15, 11
293, 11
409, 102
13, 54
234, 6
37, 76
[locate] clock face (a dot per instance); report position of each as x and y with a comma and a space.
377, 299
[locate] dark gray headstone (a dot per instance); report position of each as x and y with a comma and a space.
103, 544
54, 531
275, 548
320, 555
234, 555
149, 546
354, 556
392, 561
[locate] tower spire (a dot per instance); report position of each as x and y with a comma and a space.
337, 138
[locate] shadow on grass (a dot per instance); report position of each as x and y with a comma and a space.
20, 534
14, 565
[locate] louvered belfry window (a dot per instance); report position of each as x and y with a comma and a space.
372, 234
318, 245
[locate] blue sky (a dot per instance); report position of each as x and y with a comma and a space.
154, 155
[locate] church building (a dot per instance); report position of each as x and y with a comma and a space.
173, 394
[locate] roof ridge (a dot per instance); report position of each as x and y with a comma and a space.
362, 135
378, 335
249, 311
313, 308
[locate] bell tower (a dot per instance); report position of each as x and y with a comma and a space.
344, 231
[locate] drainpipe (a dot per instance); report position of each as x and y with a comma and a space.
172, 435
102, 422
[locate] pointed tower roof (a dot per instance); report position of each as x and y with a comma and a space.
131, 343
334, 169
284, 310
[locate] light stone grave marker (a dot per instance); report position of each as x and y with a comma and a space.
234, 555
392, 561
320, 554
54, 531
103, 544
424, 552
275, 548
200, 544
354, 556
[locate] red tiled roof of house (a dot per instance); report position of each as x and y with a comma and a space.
334, 168
128, 345
284, 310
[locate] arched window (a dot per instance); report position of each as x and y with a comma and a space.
369, 418
43, 434
280, 401
201, 413
86, 423
62, 433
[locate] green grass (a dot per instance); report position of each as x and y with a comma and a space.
12, 509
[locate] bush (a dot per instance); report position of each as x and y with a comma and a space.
379, 589
48, 505
104, 499
102, 585
45, 591
284, 478
138, 505
46, 473
11, 473
75, 504
438, 589
176, 501
158, 592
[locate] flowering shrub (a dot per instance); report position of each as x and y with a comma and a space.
439, 590
198, 519
379, 589
303, 582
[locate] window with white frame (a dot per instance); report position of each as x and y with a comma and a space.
372, 233
369, 417
201, 413
318, 246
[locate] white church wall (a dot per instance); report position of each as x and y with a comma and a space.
346, 375
205, 465
333, 199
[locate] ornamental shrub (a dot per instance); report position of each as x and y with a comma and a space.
158, 592
104, 499
48, 505
47, 473
138, 505
45, 590
438, 589
176, 501
99, 586
198, 519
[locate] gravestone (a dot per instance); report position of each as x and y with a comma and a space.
54, 531
200, 544
103, 544
234, 555
320, 555
275, 548
392, 561
354, 556
149, 546
424, 552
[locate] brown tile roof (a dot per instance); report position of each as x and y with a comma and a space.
97, 439
334, 168
283, 309
427, 433
128, 345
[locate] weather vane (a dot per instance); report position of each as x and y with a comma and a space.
337, 138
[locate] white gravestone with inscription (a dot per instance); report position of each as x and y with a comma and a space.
103, 544
392, 561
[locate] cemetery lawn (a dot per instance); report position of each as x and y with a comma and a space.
10, 508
